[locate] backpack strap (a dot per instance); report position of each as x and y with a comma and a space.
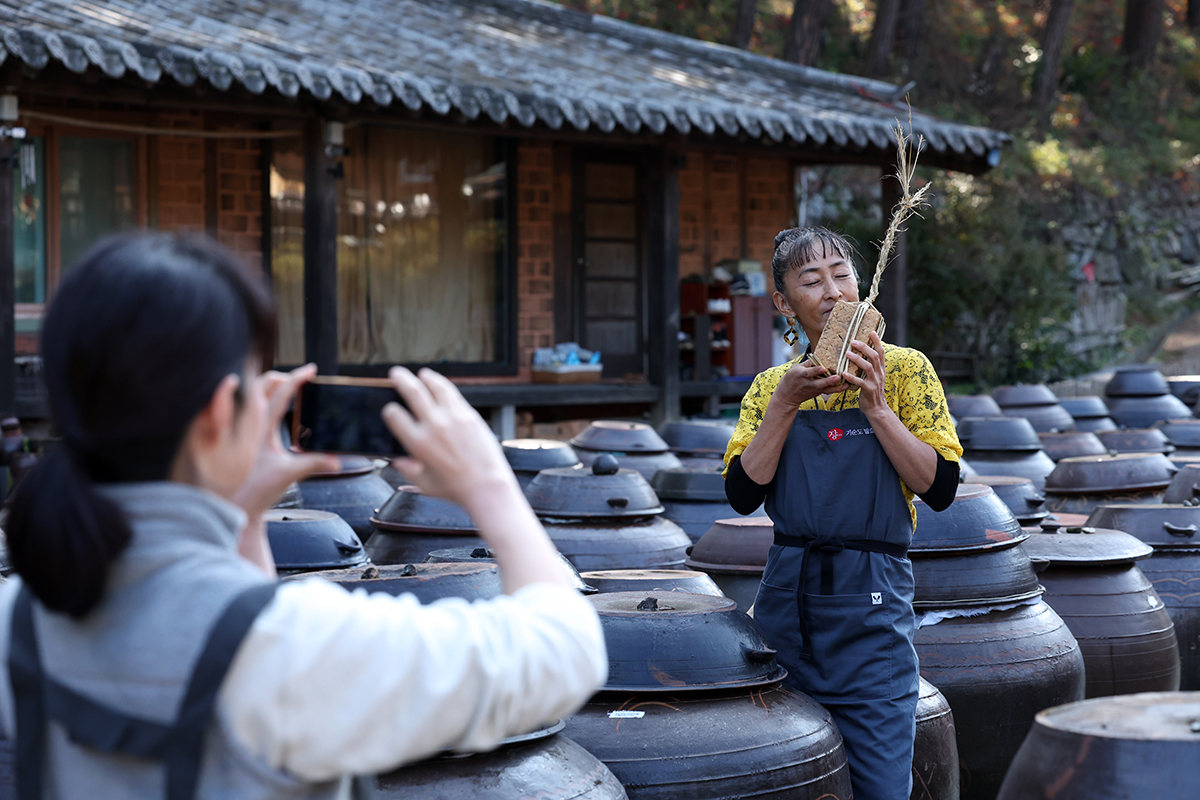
96, 726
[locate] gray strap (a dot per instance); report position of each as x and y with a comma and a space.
25, 674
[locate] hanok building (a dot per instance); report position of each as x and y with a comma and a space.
444, 182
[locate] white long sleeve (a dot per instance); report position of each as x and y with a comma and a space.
329, 682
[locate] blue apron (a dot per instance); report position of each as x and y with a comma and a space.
836, 594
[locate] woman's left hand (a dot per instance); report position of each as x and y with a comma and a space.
870, 359
276, 467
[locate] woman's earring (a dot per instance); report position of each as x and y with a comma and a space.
791, 337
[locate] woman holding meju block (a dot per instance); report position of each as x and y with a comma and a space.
838, 459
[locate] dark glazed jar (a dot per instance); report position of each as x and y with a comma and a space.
353, 492
528, 457
428, 582
1035, 403
635, 445
1124, 631
1070, 445
694, 707
998, 670
1135, 440
606, 518
651, 581
478, 555
411, 525
693, 499
1173, 569
1026, 504
935, 750
1143, 745
734, 552
1079, 485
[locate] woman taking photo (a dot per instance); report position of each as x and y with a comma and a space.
837, 459
149, 652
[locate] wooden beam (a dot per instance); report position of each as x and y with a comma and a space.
893, 287
662, 263
8, 367
320, 251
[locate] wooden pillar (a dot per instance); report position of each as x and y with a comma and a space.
662, 191
893, 286
320, 251
8, 333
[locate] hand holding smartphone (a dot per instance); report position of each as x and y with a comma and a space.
335, 414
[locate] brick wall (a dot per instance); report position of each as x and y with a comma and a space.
239, 198
535, 254
721, 195
769, 207
178, 175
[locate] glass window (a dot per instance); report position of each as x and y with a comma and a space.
29, 218
95, 192
421, 245
287, 247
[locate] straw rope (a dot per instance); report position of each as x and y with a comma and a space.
910, 201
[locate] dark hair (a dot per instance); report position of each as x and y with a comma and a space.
139, 335
796, 247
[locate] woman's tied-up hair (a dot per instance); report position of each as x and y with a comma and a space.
796, 247
138, 337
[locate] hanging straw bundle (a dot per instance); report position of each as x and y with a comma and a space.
850, 321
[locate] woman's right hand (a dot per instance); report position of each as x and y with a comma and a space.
803, 382
452, 453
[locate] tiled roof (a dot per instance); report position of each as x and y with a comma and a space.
523, 60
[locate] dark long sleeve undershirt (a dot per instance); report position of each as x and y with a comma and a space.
745, 496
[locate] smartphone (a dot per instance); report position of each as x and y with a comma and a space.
335, 414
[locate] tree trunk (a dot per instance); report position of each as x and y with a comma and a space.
883, 37
1143, 30
910, 28
743, 26
1052, 45
1193, 15
804, 32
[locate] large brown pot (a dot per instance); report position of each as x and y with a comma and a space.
734, 552
935, 750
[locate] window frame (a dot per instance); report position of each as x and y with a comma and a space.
506, 269
52, 133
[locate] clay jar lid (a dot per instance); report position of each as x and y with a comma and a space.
602, 491
429, 582
1084, 546
682, 483
409, 510
740, 544
1137, 381
1155, 717
1142, 412
305, 539
1141, 440
1071, 445
350, 467
1017, 493
1182, 432
1160, 526
482, 555
652, 580
998, 433
972, 405
707, 437
1090, 407
620, 437
976, 520
673, 642
1036, 394
535, 455
1111, 473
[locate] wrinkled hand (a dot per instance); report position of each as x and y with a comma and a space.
452, 453
276, 468
870, 359
804, 381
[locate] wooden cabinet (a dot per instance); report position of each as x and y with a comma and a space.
750, 334
724, 343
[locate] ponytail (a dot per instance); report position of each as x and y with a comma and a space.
62, 535
139, 335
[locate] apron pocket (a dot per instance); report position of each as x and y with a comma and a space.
853, 642
775, 615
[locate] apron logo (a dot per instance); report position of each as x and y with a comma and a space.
876, 598
835, 434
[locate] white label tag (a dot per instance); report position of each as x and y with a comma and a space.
1153, 601
626, 714
876, 598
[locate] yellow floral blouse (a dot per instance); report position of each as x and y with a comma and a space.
912, 389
